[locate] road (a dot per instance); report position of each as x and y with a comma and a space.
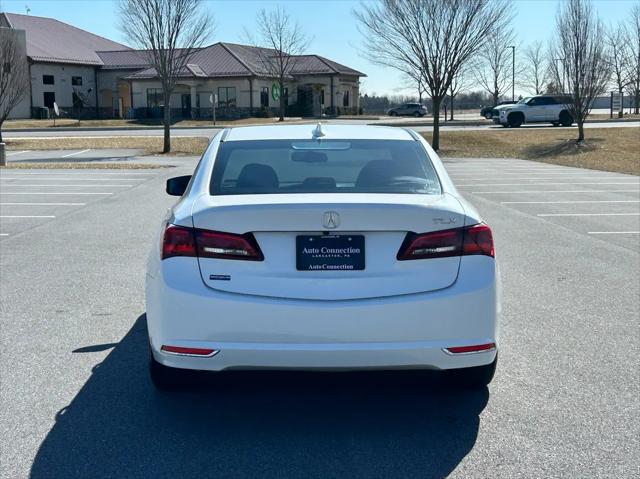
211, 132
76, 401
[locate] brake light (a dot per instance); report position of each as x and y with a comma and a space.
178, 241
478, 240
213, 244
470, 240
183, 241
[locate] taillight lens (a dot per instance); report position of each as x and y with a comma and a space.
478, 240
213, 244
178, 241
182, 241
470, 240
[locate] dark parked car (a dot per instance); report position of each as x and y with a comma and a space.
487, 111
408, 109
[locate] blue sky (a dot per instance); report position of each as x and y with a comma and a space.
329, 23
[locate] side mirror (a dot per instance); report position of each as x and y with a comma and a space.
178, 185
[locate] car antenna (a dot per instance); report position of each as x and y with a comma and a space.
318, 132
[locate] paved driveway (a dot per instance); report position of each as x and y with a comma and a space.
76, 400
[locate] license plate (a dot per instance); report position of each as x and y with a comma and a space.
330, 252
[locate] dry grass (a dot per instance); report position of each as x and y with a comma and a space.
82, 166
605, 116
608, 149
64, 122
151, 145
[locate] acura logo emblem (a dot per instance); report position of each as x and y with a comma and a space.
331, 220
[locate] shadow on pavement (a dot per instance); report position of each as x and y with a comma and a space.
258, 424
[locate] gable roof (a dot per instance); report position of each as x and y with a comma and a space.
229, 60
50, 40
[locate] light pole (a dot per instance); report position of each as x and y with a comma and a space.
513, 72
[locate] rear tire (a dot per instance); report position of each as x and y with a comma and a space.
165, 378
476, 377
565, 118
393, 113
515, 120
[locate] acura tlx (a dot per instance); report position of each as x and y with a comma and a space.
322, 248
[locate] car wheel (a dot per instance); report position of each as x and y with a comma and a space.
472, 378
417, 114
488, 116
515, 120
393, 113
165, 378
565, 118
555, 123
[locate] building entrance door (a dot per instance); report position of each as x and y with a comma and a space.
186, 105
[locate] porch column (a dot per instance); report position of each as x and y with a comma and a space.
251, 95
333, 99
194, 103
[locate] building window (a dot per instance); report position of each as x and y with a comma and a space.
47, 79
264, 97
49, 99
155, 98
76, 81
227, 96
345, 98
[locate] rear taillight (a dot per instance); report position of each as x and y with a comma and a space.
182, 241
178, 241
469, 240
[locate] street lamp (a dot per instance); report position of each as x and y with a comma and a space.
513, 72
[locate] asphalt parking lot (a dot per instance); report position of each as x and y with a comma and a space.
76, 400
84, 155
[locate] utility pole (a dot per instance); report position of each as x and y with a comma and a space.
513, 72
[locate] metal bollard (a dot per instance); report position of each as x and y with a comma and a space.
3, 156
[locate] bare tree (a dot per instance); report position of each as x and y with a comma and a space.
170, 31
633, 33
414, 80
580, 43
535, 68
281, 39
434, 37
14, 72
460, 82
619, 55
494, 66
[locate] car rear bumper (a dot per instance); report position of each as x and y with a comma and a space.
253, 332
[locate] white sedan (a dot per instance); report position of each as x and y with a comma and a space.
321, 248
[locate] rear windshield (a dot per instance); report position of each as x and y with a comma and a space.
323, 166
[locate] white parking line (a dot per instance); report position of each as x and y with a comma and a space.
69, 173
76, 153
536, 178
73, 178
553, 191
556, 183
43, 204
613, 232
17, 153
78, 186
49, 193
589, 214
4, 234
26, 216
565, 202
